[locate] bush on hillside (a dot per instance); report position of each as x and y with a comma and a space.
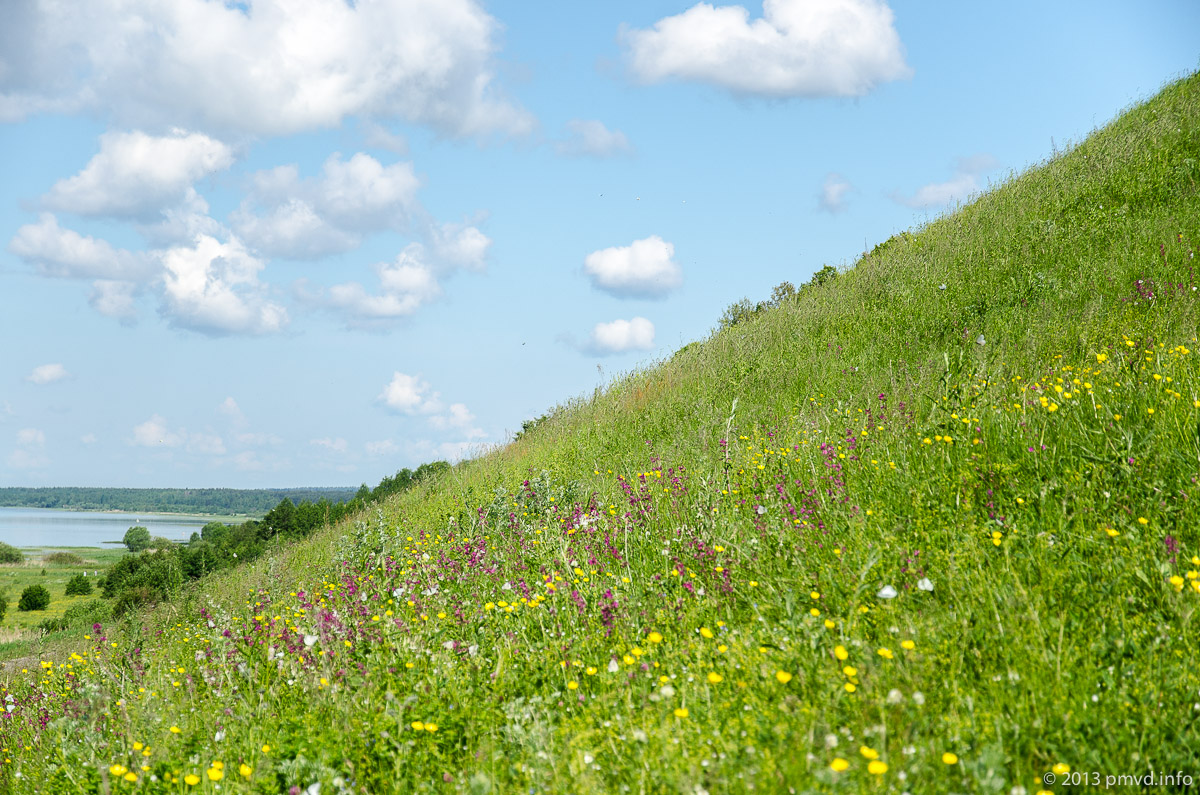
133, 598
80, 614
136, 539
3, 605
10, 554
35, 597
64, 559
79, 585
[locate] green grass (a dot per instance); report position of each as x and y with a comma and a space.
682, 583
16, 577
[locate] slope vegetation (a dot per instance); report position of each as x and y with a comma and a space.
931, 526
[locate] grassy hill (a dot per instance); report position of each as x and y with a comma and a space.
931, 526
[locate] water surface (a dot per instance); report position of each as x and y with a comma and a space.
47, 527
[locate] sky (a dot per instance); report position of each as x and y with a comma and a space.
310, 242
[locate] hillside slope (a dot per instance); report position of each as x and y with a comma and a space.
930, 527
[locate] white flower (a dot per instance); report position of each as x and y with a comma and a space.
925, 584
894, 696
887, 592
310, 640
918, 698
613, 667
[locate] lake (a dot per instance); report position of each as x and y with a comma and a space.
47, 527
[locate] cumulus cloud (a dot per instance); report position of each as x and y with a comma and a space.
135, 174
156, 433
47, 373
620, 336
213, 287
410, 395
798, 48
963, 184
270, 67
376, 136
88, 438
832, 198
29, 452
286, 216
643, 269
64, 253
592, 138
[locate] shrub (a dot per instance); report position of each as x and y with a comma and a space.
35, 597
10, 554
64, 559
133, 598
79, 585
3, 605
158, 542
79, 614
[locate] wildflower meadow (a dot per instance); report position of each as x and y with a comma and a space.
932, 525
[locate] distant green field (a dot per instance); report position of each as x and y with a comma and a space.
15, 578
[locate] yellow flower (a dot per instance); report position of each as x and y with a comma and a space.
654, 637
681, 712
706, 632
131, 777
1101, 357
815, 595
418, 725
877, 768
215, 774
815, 612
907, 644
829, 624
949, 758
885, 653
839, 765
175, 730
572, 685
1143, 520
840, 652
117, 770
869, 753
191, 779
783, 676
850, 670
1061, 769
266, 749
431, 727
850, 688
715, 678
245, 770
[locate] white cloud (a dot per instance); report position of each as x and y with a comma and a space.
114, 299
213, 287
269, 67
833, 193
232, 410
621, 336
406, 286
410, 395
30, 450
156, 433
135, 174
457, 418
459, 246
258, 439
248, 461
337, 445
643, 269
287, 216
798, 48
89, 438
30, 437
592, 138
382, 448
65, 253
964, 184
47, 373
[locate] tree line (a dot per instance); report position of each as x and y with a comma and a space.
246, 502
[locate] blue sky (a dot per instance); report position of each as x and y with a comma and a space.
248, 246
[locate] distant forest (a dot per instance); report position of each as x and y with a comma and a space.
218, 502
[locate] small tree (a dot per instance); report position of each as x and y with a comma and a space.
35, 597
136, 539
10, 554
3, 605
78, 586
